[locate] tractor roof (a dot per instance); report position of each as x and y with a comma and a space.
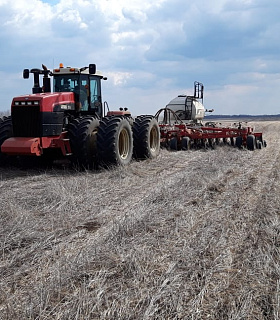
70, 70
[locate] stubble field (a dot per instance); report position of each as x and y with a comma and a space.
190, 235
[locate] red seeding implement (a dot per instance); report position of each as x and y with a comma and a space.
71, 122
181, 126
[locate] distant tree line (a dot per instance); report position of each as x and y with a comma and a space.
244, 116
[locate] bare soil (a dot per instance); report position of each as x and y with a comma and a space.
189, 235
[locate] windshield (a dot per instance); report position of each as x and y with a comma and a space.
86, 89
64, 83
73, 83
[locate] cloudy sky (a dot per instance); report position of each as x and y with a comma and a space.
151, 51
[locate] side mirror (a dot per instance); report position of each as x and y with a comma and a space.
25, 73
92, 68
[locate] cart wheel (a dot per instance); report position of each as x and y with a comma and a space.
239, 142
251, 142
173, 144
186, 143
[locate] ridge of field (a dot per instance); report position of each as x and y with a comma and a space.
189, 235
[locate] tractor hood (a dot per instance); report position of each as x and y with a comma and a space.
48, 102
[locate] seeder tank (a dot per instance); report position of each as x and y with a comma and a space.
187, 108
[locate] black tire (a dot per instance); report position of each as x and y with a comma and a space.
232, 141
218, 141
82, 133
72, 129
203, 144
173, 144
186, 143
114, 141
6, 131
239, 142
251, 142
146, 137
3, 118
259, 144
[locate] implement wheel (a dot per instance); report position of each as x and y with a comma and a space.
146, 137
186, 143
82, 134
114, 141
6, 131
173, 144
239, 142
251, 142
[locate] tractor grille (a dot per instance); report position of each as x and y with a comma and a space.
26, 121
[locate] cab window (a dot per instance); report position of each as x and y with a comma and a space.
95, 95
65, 83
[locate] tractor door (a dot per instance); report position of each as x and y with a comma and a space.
95, 95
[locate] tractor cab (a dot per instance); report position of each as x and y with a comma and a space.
85, 83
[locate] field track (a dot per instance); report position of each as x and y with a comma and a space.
190, 235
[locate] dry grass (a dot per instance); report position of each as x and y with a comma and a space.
190, 235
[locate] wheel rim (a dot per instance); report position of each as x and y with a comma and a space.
153, 139
124, 144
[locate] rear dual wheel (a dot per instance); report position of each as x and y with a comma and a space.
114, 141
146, 137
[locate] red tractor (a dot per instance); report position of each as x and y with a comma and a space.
71, 122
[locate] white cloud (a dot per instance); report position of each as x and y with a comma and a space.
119, 78
25, 20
